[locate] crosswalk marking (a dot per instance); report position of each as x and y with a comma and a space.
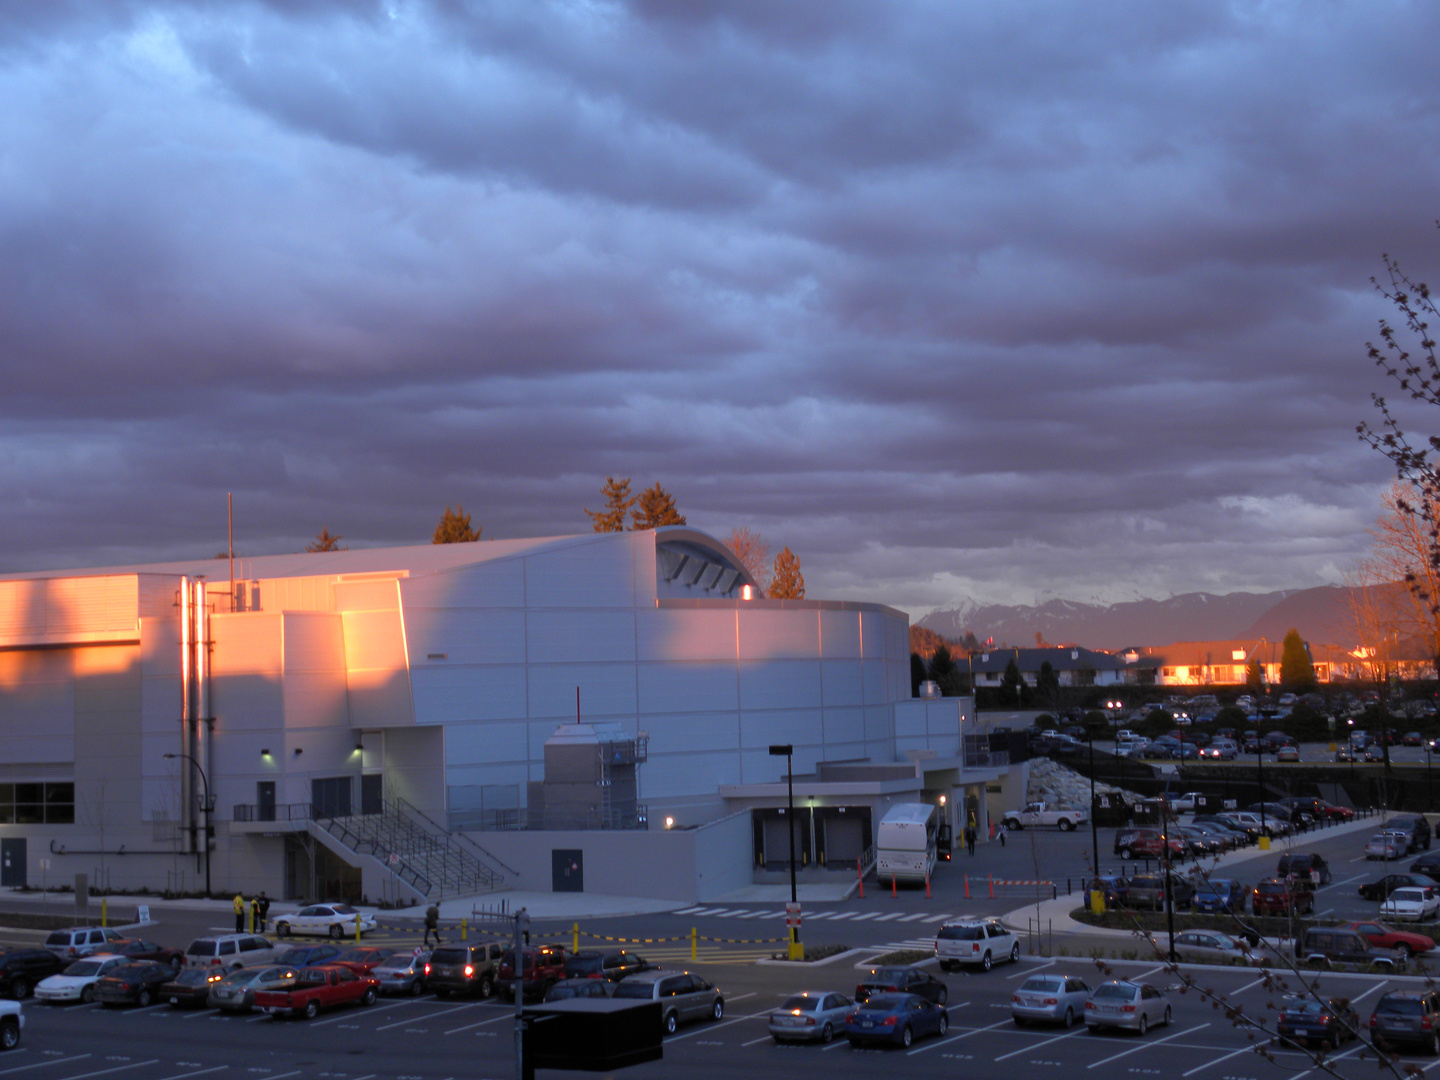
843, 915
887, 916
912, 918
866, 915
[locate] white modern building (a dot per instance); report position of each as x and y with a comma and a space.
330, 705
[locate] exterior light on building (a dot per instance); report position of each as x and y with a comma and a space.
299, 750
943, 800
265, 752
669, 823
747, 592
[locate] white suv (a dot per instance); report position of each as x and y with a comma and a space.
230, 951
975, 941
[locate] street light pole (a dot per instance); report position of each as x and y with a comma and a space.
1094, 836
787, 750
205, 805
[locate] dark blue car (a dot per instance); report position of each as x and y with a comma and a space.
1219, 894
895, 1018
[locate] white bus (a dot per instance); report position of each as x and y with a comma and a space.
905, 842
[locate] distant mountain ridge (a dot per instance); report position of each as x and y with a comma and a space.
1321, 615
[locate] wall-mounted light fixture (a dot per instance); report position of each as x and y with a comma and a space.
669, 823
265, 752
299, 750
359, 746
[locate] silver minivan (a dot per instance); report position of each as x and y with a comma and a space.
230, 951
682, 996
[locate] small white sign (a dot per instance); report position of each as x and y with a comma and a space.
44, 864
143, 915
394, 859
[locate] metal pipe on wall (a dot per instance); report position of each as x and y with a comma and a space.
187, 715
204, 722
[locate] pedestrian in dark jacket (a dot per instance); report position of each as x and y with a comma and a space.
432, 923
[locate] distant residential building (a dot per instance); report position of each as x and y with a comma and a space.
1073, 666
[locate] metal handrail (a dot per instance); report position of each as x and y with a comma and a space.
408, 808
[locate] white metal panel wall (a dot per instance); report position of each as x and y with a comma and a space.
37, 707
580, 635
374, 640
668, 776
446, 694
768, 634
802, 728
642, 552
843, 727
841, 682
681, 687
606, 690
246, 643
371, 594
314, 641
875, 674
465, 635
497, 584
780, 684
494, 741
840, 634
598, 574
680, 634
697, 732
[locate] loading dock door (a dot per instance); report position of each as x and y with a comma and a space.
844, 840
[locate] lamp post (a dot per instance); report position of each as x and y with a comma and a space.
206, 805
1094, 836
787, 750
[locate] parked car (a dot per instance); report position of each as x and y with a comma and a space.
332, 920
135, 983
1280, 896
1148, 891
318, 988
1382, 936
1198, 842
566, 989
1330, 1021
1309, 864
1221, 749
77, 982
895, 1018
362, 961
12, 1022
463, 969
1051, 998
230, 951
683, 996
611, 966
1427, 864
21, 969
1233, 837
77, 941
190, 988
1147, 844
1407, 1018
902, 980
810, 1016
1410, 904
235, 992
1345, 752
403, 973
1383, 887
1411, 738
1328, 945
1219, 894
307, 955
1124, 1004
977, 942
148, 950
1386, 845
1416, 827
1210, 947
543, 965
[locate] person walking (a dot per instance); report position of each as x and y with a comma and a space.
432, 923
264, 915
239, 913
1000, 833
970, 839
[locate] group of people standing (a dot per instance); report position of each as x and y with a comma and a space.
259, 912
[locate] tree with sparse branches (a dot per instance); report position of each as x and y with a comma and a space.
454, 528
325, 542
1418, 378
786, 580
753, 552
618, 502
655, 507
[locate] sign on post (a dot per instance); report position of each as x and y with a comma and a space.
792, 913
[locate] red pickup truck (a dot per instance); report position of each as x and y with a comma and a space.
317, 988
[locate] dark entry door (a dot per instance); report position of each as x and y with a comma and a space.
567, 870
372, 793
12, 863
265, 800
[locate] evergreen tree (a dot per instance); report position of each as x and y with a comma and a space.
325, 542
1254, 677
1297, 672
454, 528
1047, 684
1012, 683
917, 673
786, 580
618, 502
656, 507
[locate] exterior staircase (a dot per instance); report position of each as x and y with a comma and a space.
422, 854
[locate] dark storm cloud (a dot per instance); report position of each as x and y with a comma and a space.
987, 300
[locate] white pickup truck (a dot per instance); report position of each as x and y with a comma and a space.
1184, 804
1039, 814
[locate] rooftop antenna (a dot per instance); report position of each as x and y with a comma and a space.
230, 545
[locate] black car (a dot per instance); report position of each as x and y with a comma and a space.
133, 984
191, 988
584, 987
1305, 864
21, 969
299, 956
1414, 825
1329, 1021
611, 966
902, 980
1407, 1018
1427, 864
462, 969
1383, 887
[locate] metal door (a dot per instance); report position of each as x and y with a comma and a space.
567, 870
12, 863
265, 800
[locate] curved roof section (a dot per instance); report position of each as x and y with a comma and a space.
691, 564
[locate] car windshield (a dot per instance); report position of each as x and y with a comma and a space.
1115, 990
201, 948
344, 909
801, 1003
1042, 982
59, 937
84, 967
237, 978
585, 964
1403, 1006
960, 933
448, 956
888, 975
1306, 1007
362, 956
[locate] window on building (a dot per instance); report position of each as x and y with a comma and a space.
37, 803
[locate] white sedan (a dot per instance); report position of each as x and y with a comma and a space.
1411, 905
77, 982
336, 920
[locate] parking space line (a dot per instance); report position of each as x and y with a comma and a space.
39, 1064
912, 918
197, 1072
844, 915
688, 911
1142, 1046
1031, 971
1045, 1042
763, 914
1217, 1061
723, 1023
478, 1023
428, 1016
888, 916
117, 1068
957, 1038
866, 915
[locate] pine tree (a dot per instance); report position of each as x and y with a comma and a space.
454, 528
1254, 677
1297, 671
325, 542
618, 502
786, 580
656, 507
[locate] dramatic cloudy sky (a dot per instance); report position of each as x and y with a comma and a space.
994, 300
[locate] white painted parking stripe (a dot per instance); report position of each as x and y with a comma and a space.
688, 911
702, 1028
708, 911
956, 1038
39, 1064
1142, 1046
737, 913
1044, 1042
912, 918
1227, 1057
1027, 972
197, 1072
427, 1016
506, 1015
888, 917
117, 1068
844, 915
819, 914
867, 915
764, 915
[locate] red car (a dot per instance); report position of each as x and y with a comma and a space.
1148, 844
148, 950
362, 961
1281, 896
1382, 936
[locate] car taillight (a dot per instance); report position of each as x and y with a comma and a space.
427, 969
1051, 1001
809, 1021
974, 946
1425, 1023
1127, 1008
889, 1021
469, 970
1374, 1020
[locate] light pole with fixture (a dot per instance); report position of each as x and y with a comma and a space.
207, 805
787, 751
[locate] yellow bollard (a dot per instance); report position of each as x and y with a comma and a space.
357, 928
104, 911
575, 946
464, 928
1264, 843
694, 943
1097, 901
